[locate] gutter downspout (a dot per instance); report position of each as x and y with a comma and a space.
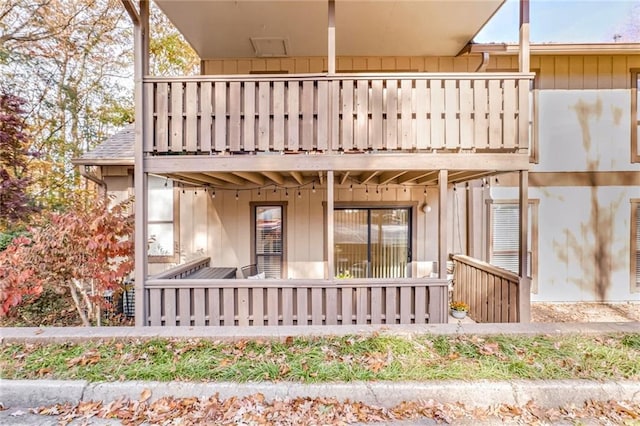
93, 178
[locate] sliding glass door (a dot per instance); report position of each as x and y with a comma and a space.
372, 242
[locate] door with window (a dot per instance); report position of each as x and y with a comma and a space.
372, 242
268, 238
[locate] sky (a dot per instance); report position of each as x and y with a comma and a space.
563, 21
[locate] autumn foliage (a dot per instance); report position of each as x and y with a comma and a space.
85, 251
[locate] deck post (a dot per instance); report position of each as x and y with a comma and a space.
524, 299
141, 35
330, 255
523, 51
442, 223
331, 38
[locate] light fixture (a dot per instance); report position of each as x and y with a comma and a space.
426, 208
350, 187
213, 193
313, 187
237, 194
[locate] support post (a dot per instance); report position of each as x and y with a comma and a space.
524, 299
140, 177
331, 38
329, 273
523, 51
442, 223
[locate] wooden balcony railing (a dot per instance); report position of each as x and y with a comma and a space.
492, 293
486, 112
202, 302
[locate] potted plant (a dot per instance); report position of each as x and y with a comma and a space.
459, 309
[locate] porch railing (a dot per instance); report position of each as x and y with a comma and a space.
492, 293
348, 112
200, 302
184, 270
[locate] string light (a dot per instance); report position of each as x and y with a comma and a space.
425, 191
467, 186
377, 189
497, 181
166, 182
213, 193
313, 187
366, 189
299, 194
237, 194
351, 188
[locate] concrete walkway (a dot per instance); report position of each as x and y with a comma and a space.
18, 395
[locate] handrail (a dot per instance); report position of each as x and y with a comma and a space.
180, 269
495, 270
158, 282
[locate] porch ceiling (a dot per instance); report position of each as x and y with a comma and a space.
225, 28
243, 180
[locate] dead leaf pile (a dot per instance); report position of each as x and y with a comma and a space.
256, 410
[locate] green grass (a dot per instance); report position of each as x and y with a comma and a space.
349, 358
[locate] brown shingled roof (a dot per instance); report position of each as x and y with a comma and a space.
115, 150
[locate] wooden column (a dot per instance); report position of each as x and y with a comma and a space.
329, 273
140, 177
442, 223
523, 51
524, 298
331, 38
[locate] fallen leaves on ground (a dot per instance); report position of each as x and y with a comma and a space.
256, 410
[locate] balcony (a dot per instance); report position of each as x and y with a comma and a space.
346, 113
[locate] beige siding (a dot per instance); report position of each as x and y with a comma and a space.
555, 71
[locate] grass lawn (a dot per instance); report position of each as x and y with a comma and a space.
378, 357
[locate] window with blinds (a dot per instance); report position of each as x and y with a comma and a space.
372, 242
269, 240
504, 242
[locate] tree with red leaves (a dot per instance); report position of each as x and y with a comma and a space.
85, 251
15, 203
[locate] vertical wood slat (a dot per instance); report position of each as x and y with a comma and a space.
214, 306
437, 111
205, 117
316, 306
162, 118
293, 114
406, 119
264, 112
302, 306
405, 305
332, 306
199, 305
322, 124
466, 109
308, 90
191, 120
509, 129
220, 108
243, 306
361, 305
235, 122
170, 307
347, 115
272, 306
376, 305
390, 306
185, 306
249, 136
278, 116
228, 314
347, 305
257, 297
149, 120
524, 115
175, 140
420, 304
287, 306
495, 111
480, 114
375, 127
422, 120
334, 117
391, 137
155, 306
362, 114
451, 121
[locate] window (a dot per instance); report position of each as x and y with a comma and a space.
372, 242
635, 116
635, 246
162, 220
268, 238
504, 237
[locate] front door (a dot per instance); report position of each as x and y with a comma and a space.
372, 242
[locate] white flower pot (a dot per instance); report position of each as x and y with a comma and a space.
458, 314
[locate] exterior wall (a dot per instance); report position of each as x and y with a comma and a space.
220, 227
584, 179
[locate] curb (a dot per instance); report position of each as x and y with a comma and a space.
546, 393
